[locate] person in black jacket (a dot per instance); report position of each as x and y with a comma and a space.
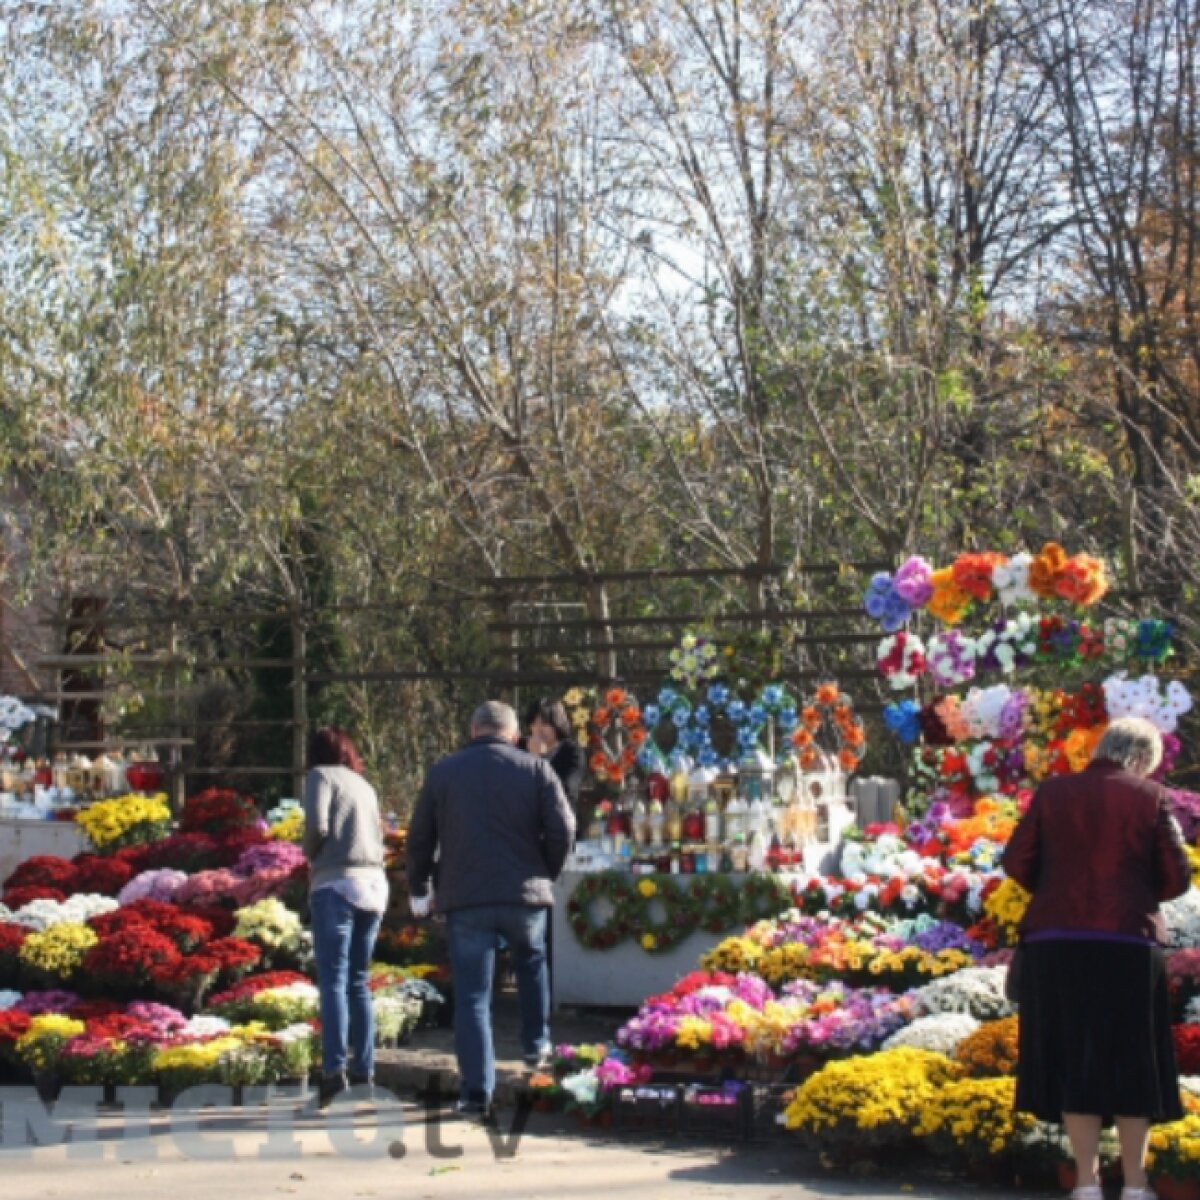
498, 823
552, 738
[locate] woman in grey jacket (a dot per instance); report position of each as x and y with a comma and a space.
348, 894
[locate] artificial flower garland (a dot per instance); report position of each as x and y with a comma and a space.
949, 593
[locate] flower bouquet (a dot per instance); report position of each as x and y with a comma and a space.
236, 1003
179, 1067
274, 928
395, 1017
12, 938
113, 825
236, 957
100, 874
292, 1051
123, 963
974, 1120
186, 980
48, 958
43, 870
218, 812
990, 1050
544, 1091
868, 1103
243, 1065
90, 1059
14, 1024
1174, 1157
188, 852
290, 1004
942, 1033
41, 1046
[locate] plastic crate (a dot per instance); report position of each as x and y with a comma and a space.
650, 1108
720, 1112
767, 1102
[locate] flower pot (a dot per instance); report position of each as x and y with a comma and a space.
1066, 1174
1176, 1189
48, 1085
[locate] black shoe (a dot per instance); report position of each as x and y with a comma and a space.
330, 1086
475, 1113
543, 1060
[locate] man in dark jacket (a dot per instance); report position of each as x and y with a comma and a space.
499, 825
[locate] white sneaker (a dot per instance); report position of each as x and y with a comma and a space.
1092, 1192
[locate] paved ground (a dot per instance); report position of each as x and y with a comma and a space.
232, 1154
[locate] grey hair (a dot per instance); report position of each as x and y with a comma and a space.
494, 717
1133, 743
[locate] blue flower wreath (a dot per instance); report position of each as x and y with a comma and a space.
693, 726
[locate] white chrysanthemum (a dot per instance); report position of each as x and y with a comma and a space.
941, 1032
977, 991
43, 914
203, 1027
1182, 916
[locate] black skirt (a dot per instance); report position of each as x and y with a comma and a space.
1095, 1032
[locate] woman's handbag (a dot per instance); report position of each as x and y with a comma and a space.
1012, 980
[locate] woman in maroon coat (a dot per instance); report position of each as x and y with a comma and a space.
1099, 851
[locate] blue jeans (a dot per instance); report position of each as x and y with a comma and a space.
343, 938
474, 936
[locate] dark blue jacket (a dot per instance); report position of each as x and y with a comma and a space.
497, 822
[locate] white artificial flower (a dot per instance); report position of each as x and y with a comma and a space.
8, 999
584, 1086
1011, 579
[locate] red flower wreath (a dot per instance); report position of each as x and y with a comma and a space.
830, 709
620, 711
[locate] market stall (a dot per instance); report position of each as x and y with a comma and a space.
870, 1021
716, 801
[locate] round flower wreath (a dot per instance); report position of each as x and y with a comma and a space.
764, 896
620, 711
680, 913
718, 902
710, 902
617, 888
693, 725
830, 712
633, 911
